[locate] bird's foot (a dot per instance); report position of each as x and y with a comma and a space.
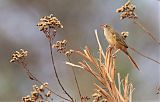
114, 55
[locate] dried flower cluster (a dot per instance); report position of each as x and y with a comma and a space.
69, 52
158, 90
38, 94
85, 98
98, 97
49, 24
19, 56
61, 47
127, 11
124, 34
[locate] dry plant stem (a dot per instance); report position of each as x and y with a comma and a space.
147, 31
32, 77
51, 51
75, 78
119, 82
100, 47
133, 49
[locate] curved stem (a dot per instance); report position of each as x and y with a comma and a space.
133, 49
75, 78
55, 71
148, 32
32, 77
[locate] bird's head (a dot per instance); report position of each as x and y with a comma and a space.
105, 26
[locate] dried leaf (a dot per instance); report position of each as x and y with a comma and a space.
74, 65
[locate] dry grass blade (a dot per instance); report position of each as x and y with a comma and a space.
87, 56
74, 65
131, 89
109, 63
100, 47
119, 83
126, 88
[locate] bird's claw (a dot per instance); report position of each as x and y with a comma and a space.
114, 55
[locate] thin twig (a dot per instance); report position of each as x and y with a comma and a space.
147, 31
75, 78
32, 77
51, 51
133, 49
100, 47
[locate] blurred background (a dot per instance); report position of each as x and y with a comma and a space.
18, 19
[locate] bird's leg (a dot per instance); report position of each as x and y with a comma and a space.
109, 46
114, 54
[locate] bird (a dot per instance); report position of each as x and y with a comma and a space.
116, 41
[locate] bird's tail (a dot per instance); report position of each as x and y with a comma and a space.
133, 62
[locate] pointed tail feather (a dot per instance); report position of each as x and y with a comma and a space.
133, 62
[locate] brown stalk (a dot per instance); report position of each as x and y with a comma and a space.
55, 71
32, 77
126, 87
88, 56
133, 49
75, 78
147, 31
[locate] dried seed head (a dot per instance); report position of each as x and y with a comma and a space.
34, 86
103, 100
45, 85
49, 21
34, 93
19, 55
26, 99
49, 25
127, 10
85, 98
60, 46
41, 88
124, 34
38, 94
48, 94
68, 53
127, 3
97, 96
158, 90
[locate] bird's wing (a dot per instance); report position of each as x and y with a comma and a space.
120, 40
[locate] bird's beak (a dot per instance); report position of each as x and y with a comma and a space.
102, 26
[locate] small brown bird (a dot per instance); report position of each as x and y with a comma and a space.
116, 41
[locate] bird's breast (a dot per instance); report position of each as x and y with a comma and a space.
110, 38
